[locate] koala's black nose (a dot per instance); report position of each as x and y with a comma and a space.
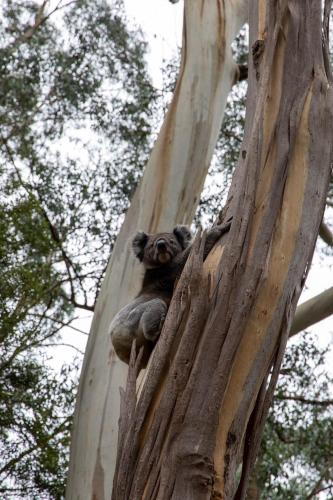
161, 244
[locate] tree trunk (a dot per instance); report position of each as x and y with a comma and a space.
168, 194
199, 414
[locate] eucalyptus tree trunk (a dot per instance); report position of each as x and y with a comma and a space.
193, 429
168, 194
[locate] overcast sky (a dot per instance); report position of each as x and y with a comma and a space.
161, 21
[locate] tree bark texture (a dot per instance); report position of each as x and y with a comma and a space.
168, 194
195, 424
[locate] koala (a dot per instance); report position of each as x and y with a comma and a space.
163, 256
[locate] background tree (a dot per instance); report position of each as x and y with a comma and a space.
75, 115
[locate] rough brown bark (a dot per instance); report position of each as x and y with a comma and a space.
201, 409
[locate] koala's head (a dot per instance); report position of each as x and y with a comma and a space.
155, 250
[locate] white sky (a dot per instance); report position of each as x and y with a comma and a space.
161, 22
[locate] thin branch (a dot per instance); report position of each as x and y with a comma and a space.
40, 19
70, 266
39, 341
301, 399
9, 465
64, 345
318, 488
312, 311
63, 323
24, 346
84, 306
28, 120
315, 492
21, 303
326, 234
232, 136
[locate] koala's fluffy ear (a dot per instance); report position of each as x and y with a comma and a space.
138, 244
183, 235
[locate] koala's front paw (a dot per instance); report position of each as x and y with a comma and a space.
224, 228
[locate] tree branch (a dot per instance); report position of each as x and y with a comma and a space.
40, 19
63, 323
70, 266
62, 344
318, 486
312, 311
9, 465
301, 399
326, 234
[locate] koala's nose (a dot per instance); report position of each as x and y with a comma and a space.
161, 244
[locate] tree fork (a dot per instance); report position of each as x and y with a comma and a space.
200, 411
167, 195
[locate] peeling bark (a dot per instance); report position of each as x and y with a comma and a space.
200, 411
165, 197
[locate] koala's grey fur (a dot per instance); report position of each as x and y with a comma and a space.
163, 256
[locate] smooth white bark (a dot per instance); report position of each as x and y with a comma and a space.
312, 311
168, 194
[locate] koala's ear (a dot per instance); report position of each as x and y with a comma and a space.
138, 244
183, 235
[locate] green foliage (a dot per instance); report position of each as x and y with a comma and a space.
75, 121
296, 459
36, 415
